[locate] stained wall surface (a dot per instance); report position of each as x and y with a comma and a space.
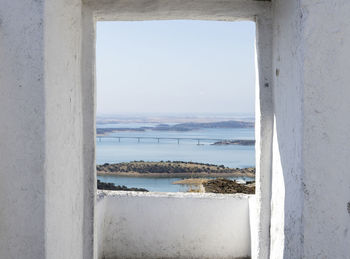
47, 112
310, 180
287, 173
22, 131
41, 151
64, 157
47, 105
172, 225
326, 131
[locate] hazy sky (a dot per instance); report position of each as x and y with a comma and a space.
175, 67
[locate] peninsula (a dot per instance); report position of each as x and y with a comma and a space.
172, 169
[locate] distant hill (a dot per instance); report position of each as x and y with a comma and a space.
188, 126
104, 131
204, 125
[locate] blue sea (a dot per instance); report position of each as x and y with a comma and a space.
111, 150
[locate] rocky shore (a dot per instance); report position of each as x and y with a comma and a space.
112, 187
228, 186
219, 185
242, 142
170, 169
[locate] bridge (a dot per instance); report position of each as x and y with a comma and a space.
139, 138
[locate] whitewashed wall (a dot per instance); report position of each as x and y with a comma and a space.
326, 131
172, 225
41, 148
311, 180
100, 222
47, 109
47, 134
287, 193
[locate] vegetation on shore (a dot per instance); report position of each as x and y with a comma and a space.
219, 185
242, 142
113, 187
167, 168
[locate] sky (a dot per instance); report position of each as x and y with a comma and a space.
175, 67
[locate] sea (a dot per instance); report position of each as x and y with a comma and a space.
112, 149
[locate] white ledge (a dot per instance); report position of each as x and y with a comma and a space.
103, 193
136, 10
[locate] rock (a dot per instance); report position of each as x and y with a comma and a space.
112, 187
242, 142
228, 186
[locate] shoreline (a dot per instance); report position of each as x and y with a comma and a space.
172, 169
174, 175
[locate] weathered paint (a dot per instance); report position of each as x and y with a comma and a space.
48, 84
263, 136
41, 165
47, 107
136, 10
172, 225
311, 183
326, 128
287, 196
22, 131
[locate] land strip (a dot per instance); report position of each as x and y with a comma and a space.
188, 126
172, 169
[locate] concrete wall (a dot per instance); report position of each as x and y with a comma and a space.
47, 108
64, 159
287, 193
172, 225
263, 136
311, 183
100, 225
22, 131
41, 149
138, 10
326, 129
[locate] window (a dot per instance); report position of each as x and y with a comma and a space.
175, 105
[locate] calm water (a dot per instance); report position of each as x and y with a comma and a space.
152, 184
110, 150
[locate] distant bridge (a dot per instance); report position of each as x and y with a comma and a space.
162, 138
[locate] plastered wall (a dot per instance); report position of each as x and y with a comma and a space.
22, 131
41, 146
287, 174
64, 158
326, 131
47, 109
310, 180
172, 225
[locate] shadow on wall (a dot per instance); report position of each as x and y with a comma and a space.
287, 190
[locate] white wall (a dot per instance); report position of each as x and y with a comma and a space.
263, 136
22, 130
287, 193
326, 131
41, 149
100, 222
172, 225
311, 180
47, 136
64, 174
47, 108
138, 10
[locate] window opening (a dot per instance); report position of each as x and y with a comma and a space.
175, 106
